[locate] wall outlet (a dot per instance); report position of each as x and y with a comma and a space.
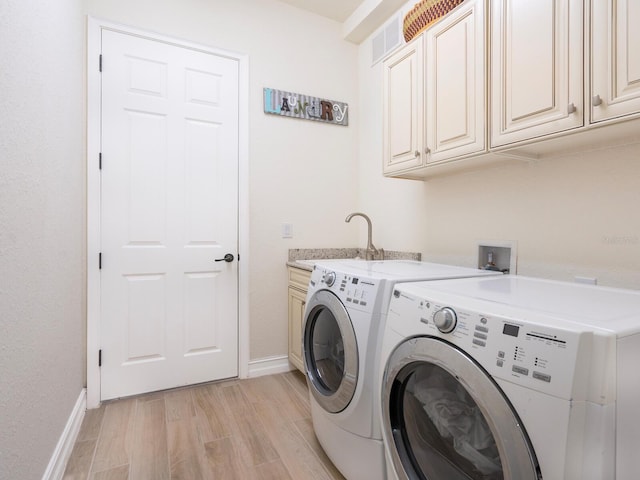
498, 255
287, 230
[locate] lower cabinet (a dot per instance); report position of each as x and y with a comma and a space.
297, 293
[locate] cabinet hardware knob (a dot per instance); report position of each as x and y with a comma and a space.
571, 108
417, 153
427, 150
596, 101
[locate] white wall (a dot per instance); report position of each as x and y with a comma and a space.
42, 211
574, 215
301, 172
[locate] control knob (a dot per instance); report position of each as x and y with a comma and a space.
330, 278
445, 319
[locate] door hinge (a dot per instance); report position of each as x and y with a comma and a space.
100, 261
100, 63
100, 161
100, 357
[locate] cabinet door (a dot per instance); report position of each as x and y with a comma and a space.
296, 317
537, 68
455, 73
402, 109
615, 68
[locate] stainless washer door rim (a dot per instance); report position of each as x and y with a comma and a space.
338, 400
516, 453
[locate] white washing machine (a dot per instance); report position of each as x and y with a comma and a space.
511, 378
346, 305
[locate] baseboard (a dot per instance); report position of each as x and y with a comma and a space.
269, 366
60, 457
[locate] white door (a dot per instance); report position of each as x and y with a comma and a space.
169, 200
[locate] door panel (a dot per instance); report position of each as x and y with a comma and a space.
146, 187
531, 89
169, 209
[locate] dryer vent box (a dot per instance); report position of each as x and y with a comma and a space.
497, 255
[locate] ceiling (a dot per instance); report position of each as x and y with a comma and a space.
338, 10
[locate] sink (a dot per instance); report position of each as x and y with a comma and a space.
312, 262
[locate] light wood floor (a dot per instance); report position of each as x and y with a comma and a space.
258, 428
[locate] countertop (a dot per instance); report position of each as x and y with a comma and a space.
305, 258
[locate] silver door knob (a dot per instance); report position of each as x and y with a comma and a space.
596, 101
571, 108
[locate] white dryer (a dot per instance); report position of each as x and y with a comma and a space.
345, 309
511, 378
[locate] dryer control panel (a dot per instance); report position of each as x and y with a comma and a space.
534, 354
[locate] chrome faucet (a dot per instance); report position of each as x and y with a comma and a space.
372, 252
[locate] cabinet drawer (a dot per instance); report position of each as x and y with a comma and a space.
299, 278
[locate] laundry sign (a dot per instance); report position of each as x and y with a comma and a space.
306, 107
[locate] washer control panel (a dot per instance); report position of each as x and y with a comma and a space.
533, 354
355, 292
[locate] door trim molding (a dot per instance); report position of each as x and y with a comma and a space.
94, 29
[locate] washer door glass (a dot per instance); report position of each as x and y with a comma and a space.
330, 351
448, 419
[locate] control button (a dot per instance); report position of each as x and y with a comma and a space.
480, 328
500, 362
445, 319
501, 354
541, 376
520, 370
330, 278
349, 299
483, 320
364, 304
483, 336
479, 342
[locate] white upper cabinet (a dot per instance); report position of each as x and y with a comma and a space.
403, 109
536, 68
555, 76
455, 83
615, 49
